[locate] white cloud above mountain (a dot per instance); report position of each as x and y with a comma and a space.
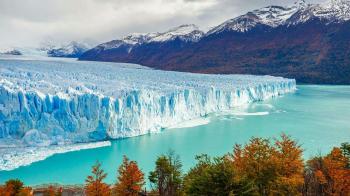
29, 22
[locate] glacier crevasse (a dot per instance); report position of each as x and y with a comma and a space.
46, 103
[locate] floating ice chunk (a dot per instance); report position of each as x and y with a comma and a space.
250, 113
191, 123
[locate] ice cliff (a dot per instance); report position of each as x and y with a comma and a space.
45, 103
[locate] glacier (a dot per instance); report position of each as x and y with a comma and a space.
12, 158
62, 102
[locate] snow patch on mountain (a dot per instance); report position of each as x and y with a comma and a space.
187, 33
270, 16
274, 16
72, 49
329, 11
10, 52
128, 42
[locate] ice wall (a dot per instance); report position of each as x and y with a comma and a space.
44, 103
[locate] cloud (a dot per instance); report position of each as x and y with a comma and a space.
29, 22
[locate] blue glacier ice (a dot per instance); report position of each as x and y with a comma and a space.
55, 102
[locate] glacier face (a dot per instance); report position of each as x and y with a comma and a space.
57, 102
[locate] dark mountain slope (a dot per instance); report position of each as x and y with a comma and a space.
310, 43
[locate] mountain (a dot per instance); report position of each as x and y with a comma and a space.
144, 46
47, 49
11, 52
71, 50
309, 42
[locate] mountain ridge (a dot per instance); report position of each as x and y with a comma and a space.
309, 42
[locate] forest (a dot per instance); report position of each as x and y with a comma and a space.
260, 167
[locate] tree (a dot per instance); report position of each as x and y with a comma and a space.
290, 166
337, 173
217, 177
52, 191
130, 179
94, 183
167, 176
274, 169
256, 161
314, 180
15, 187
328, 175
26, 191
345, 147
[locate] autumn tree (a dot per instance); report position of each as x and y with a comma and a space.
167, 175
337, 172
15, 187
215, 177
26, 191
256, 161
329, 175
274, 168
130, 179
94, 183
290, 166
52, 191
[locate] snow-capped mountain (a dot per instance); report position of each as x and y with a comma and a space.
128, 42
10, 52
304, 41
332, 11
274, 16
271, 16
72, 50
25, 51
186, 33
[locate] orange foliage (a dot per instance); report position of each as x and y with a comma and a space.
94, 184
27, 191
290, 166
339, 175
130, 179
255, 161
51, 191
328, 175
273, 168
15, 188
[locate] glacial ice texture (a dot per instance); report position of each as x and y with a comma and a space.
12, 158
46, 103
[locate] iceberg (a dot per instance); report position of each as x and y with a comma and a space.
61, 102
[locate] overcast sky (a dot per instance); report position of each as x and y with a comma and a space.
30, 22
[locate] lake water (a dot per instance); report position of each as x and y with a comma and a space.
317, 116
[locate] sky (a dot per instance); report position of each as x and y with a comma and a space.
29, 23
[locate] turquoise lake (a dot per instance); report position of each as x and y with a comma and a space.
316, 116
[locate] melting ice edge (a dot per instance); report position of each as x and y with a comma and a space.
61, 103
